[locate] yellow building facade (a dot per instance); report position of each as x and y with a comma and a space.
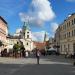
65, 37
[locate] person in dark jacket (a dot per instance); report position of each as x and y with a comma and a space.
37, 55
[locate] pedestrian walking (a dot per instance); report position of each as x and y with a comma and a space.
23, 51
26, 54
38, 56
66, 53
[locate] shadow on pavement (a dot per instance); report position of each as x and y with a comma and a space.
34, 69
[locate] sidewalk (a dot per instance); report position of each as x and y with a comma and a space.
52, 60
9, 60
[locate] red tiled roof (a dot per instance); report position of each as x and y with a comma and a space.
40, 45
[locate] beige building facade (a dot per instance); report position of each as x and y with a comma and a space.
57, 39
11, 40
65, 35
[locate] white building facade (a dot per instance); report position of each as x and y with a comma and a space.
23, 35
26, 37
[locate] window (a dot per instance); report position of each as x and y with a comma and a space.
72, 22
68, 47
61, 48
65, 35
24, 33
27, 32
64, 47
27, 43
69, 34
27, 36
72, 32
69, 23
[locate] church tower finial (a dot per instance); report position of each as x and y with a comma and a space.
26, 26
45, 37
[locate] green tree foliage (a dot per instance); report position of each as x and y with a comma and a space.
16, 47
22, 47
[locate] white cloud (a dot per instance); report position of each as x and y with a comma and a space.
38, 36
40, 12
18, 30
54, 26
43, 9
70, 0
25, 17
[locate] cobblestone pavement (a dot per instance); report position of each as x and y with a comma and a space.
49, 65
43, 60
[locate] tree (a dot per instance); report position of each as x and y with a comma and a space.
22, 46
16, 47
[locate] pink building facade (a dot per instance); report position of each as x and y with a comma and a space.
3, 30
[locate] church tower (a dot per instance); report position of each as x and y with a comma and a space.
27, 37
26, 31
45, 37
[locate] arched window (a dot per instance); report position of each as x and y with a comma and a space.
27, 36
27, 43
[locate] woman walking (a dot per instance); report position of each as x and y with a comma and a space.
38, 56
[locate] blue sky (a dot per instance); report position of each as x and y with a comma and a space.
14, 11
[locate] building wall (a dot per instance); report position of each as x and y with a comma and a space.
27, 34
51, 42
10, 43
67, 35
3, 31
57, 39
28, 45
28, 40
57, 36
